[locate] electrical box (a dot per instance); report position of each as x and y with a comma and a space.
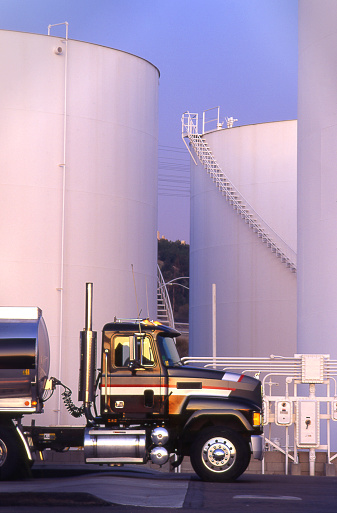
284, 413
313, 368
334, 410
308, 424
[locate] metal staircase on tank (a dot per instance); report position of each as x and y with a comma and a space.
164, 308
264, 232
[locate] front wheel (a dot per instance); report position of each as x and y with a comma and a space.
219, 454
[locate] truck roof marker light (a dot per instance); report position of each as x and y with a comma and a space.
147, 322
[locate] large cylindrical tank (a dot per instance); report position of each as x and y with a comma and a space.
255, 291
317, 178
78, 187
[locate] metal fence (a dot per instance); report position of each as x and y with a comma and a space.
299, 400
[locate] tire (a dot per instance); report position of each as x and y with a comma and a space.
10, 453
219, 454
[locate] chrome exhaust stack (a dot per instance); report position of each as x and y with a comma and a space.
88, 348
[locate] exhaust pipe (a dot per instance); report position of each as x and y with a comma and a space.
88, 344
88, 307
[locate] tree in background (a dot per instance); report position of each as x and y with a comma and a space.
173, 260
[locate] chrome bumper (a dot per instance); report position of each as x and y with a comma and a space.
257, 446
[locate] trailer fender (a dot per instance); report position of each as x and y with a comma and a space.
25, 444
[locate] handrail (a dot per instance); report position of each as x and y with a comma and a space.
210, 120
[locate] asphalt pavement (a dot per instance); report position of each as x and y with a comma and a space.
132, 490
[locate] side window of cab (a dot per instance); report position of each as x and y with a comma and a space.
124, 347
121, 349
147, 358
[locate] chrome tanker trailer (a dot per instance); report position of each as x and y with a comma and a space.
151, 406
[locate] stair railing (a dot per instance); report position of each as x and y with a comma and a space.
163, 298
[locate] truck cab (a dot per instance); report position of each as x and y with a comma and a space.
212, 416
135, 363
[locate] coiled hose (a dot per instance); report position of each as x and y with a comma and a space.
74, 410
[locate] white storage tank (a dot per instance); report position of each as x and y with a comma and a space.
317, 178
255, 291
78, 188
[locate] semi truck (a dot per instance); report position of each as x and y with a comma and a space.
151, 407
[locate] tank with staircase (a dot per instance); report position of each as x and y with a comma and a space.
204, 154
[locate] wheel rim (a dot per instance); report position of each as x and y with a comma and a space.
3, 452
218, 454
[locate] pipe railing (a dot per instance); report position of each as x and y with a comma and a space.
288, 409
164, 295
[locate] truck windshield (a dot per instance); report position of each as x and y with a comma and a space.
168, 351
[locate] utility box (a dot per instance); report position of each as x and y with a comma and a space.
313, 368
284, 413
308, 423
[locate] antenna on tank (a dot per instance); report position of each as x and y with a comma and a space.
134, 283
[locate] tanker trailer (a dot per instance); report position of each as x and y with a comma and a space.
24, 367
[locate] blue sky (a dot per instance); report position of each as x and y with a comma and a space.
238, 54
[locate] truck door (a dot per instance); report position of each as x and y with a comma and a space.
132, 381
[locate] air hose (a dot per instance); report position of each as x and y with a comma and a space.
74, 410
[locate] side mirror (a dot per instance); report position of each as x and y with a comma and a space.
134, 365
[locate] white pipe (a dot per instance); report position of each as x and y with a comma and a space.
57, 25
63, 165
214, 322
312, 458
312, 452
328, 432
296, 460
287, 451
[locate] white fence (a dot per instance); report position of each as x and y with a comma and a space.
304, 407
